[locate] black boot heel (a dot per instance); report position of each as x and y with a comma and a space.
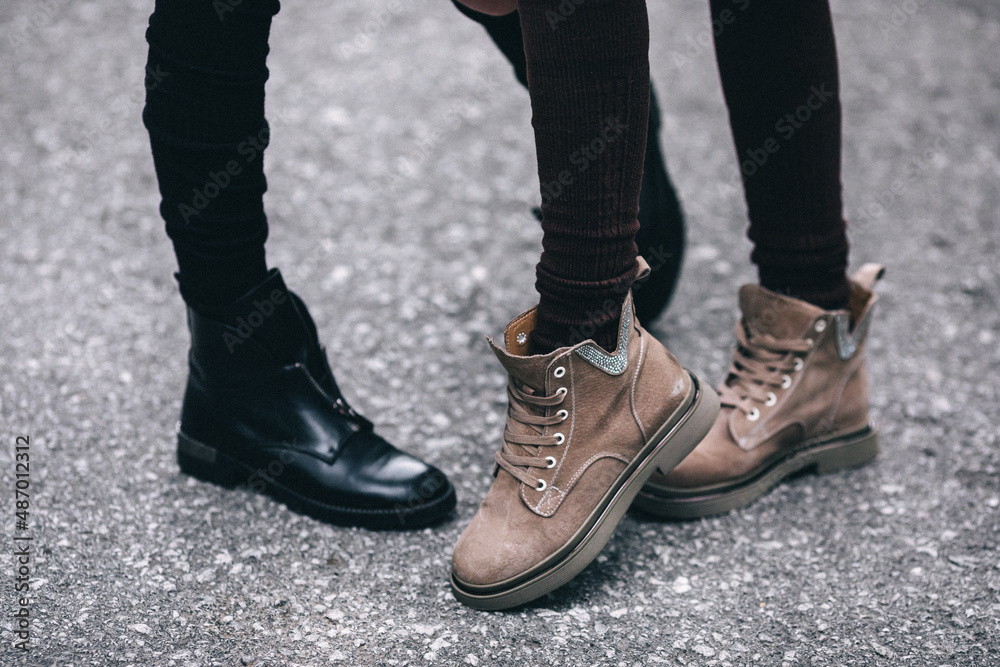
205, 463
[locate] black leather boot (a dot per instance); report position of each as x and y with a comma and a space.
262, 410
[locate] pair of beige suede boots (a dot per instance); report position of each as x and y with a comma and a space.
590, 433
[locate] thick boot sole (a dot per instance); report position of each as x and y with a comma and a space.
823, 456
211, 465
668, 447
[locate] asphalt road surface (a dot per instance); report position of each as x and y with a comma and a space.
401, 176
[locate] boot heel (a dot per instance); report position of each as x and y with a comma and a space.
848, 453
204, 462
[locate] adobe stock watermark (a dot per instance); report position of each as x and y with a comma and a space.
912, 170
703, 40
562, 12
901, 13
118, 114
258, 480
364, 37
767, 318
250, 149
43, 14
224, 7
428, 488
786, 127
456, 114
246, 326
23, 542
583, 157
656, 258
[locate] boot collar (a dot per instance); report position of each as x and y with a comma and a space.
531, 369
780, 316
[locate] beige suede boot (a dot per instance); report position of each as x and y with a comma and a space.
585, 430
796, 396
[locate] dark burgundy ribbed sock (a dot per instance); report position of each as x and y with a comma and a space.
588, 77
778, 63
205, 115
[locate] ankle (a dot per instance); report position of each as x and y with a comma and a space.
556, 330
833, 298
833, 293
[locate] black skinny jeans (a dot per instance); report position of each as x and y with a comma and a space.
205, 116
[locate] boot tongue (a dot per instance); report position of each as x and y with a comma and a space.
767, 312
528, 371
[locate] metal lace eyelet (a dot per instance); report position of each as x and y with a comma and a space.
799, 364
559, 372
562, 390
820, 326
563, 415
786, 381
550, 462
771, 399
753, 415
541, 485
560, 438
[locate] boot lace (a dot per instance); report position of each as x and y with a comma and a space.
508, 457
762, 366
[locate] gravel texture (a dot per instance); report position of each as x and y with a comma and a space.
401, 175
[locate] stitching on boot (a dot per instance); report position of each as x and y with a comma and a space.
589, 462
851, 372
554, 498
572, 483
635, 379
571, 394
760, 433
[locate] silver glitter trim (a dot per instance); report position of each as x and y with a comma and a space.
848, 341
612, 364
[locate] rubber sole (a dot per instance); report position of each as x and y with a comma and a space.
822, 456
211, 465
672, 442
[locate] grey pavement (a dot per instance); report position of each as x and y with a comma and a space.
401, 175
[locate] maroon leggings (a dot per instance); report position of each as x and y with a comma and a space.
778, 63
588, 80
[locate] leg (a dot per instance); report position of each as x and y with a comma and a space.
661, 223
261, 408
589, 94
778, 63
796, 395
202, 115
596, 403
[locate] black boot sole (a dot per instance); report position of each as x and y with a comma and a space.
211, 465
